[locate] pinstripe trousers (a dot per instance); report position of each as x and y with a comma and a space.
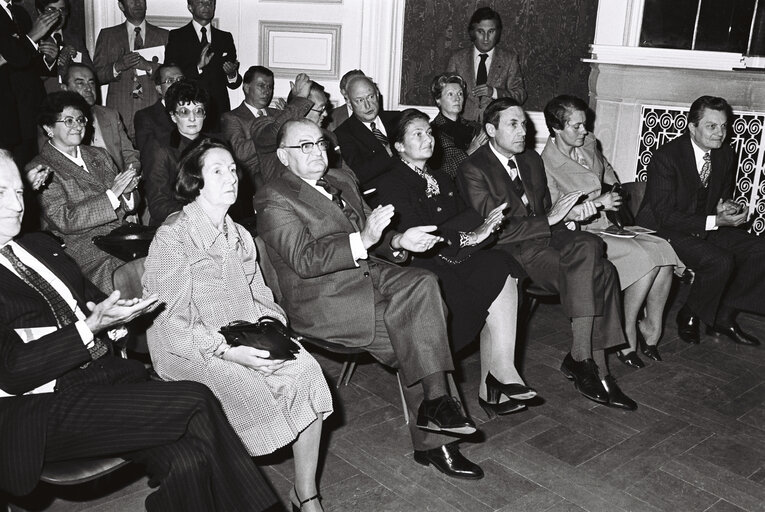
176, 429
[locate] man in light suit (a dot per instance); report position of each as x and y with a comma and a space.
117, 63
153, 122
63, 396
206, 54
106, 130
490, 72
341, 113
364, 137
570, 263
688, 200
320, 237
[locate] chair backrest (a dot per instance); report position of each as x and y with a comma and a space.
127, 278
636, 191
269, 272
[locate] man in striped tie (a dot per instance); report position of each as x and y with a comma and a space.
64, 396
363, 137
540, 236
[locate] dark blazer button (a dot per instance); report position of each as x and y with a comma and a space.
366, 274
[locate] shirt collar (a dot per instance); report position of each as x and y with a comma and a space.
131, 28
698, 153
502, 158
490, 53
378, 124
198, 30
209, 234
255, 111
77, 159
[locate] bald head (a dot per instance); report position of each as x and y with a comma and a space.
293, 137
11, 198
364, 98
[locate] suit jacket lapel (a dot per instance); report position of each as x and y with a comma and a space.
51, 263
69, 168
363, 134
496, 67
153, 36
314, 199
349, 195
527, 178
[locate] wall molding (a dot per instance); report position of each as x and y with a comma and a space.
312, 34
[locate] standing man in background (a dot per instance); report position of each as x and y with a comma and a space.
490, 72
119, 65
208, 55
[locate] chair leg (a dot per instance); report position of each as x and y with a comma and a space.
403, 401
342, 373
351, 368
533, 304
346, 372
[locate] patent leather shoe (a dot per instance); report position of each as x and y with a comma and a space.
631, 359
688, 326
616, 397
650, 351
449, 461
501, 408
585, 377
444, 414
734, 332
516, 391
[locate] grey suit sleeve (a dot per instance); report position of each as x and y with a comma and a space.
512, 85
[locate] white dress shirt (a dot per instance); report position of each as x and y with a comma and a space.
257, 112
489, 59
698, 153
378, 124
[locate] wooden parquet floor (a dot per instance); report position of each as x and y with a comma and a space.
696, 442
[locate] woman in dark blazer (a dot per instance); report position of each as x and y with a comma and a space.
186, 102
477, 283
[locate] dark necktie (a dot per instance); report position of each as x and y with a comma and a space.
382, 139
706, 169
338, 200
138, 41
518, 185
204, 36
61, 310
482, 75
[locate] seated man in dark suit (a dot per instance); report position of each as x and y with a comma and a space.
58, 403
688, 200
154, 122
320, 237
363, 138
571, 263
342, 112
206, 54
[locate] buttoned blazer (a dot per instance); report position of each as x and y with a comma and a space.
25, 366
21, 90
75, 205
670, 202
362, 151
306, 235
565, 175
111, 44
116, 140
183, 48
153, 122
485, 184
504, 75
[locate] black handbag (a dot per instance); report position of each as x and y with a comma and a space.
621, 217
267, 333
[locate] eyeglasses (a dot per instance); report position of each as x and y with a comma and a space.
49, 9
319, 110
307, 147
71, 122
172, 80
185, 112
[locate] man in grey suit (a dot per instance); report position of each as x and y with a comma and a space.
327, 248
125, 71
490, 72
106, 130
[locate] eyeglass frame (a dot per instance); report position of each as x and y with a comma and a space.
197, 111
69, 122
171, 81
307, 147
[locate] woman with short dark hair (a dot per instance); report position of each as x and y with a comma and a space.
456, 138
186, 102
204, 268
477, 282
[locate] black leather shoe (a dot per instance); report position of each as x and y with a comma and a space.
631, 359
585, 377
617, 398
516, 391
444, 414
688, 326
650, 351
502, 408
734, 332
449, 461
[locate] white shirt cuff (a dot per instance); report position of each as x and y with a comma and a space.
493, 93
129, 201
711, 223
113, 199
358, 251
232, 80
114, 70
85, 332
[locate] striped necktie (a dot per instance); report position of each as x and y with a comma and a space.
382, 139
518, 185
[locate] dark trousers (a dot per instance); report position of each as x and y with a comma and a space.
176, 429
729, 268
574, 265
410, 335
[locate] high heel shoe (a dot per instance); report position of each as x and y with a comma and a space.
630, 359
650, 351
502, 408
515, 391
299, 507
